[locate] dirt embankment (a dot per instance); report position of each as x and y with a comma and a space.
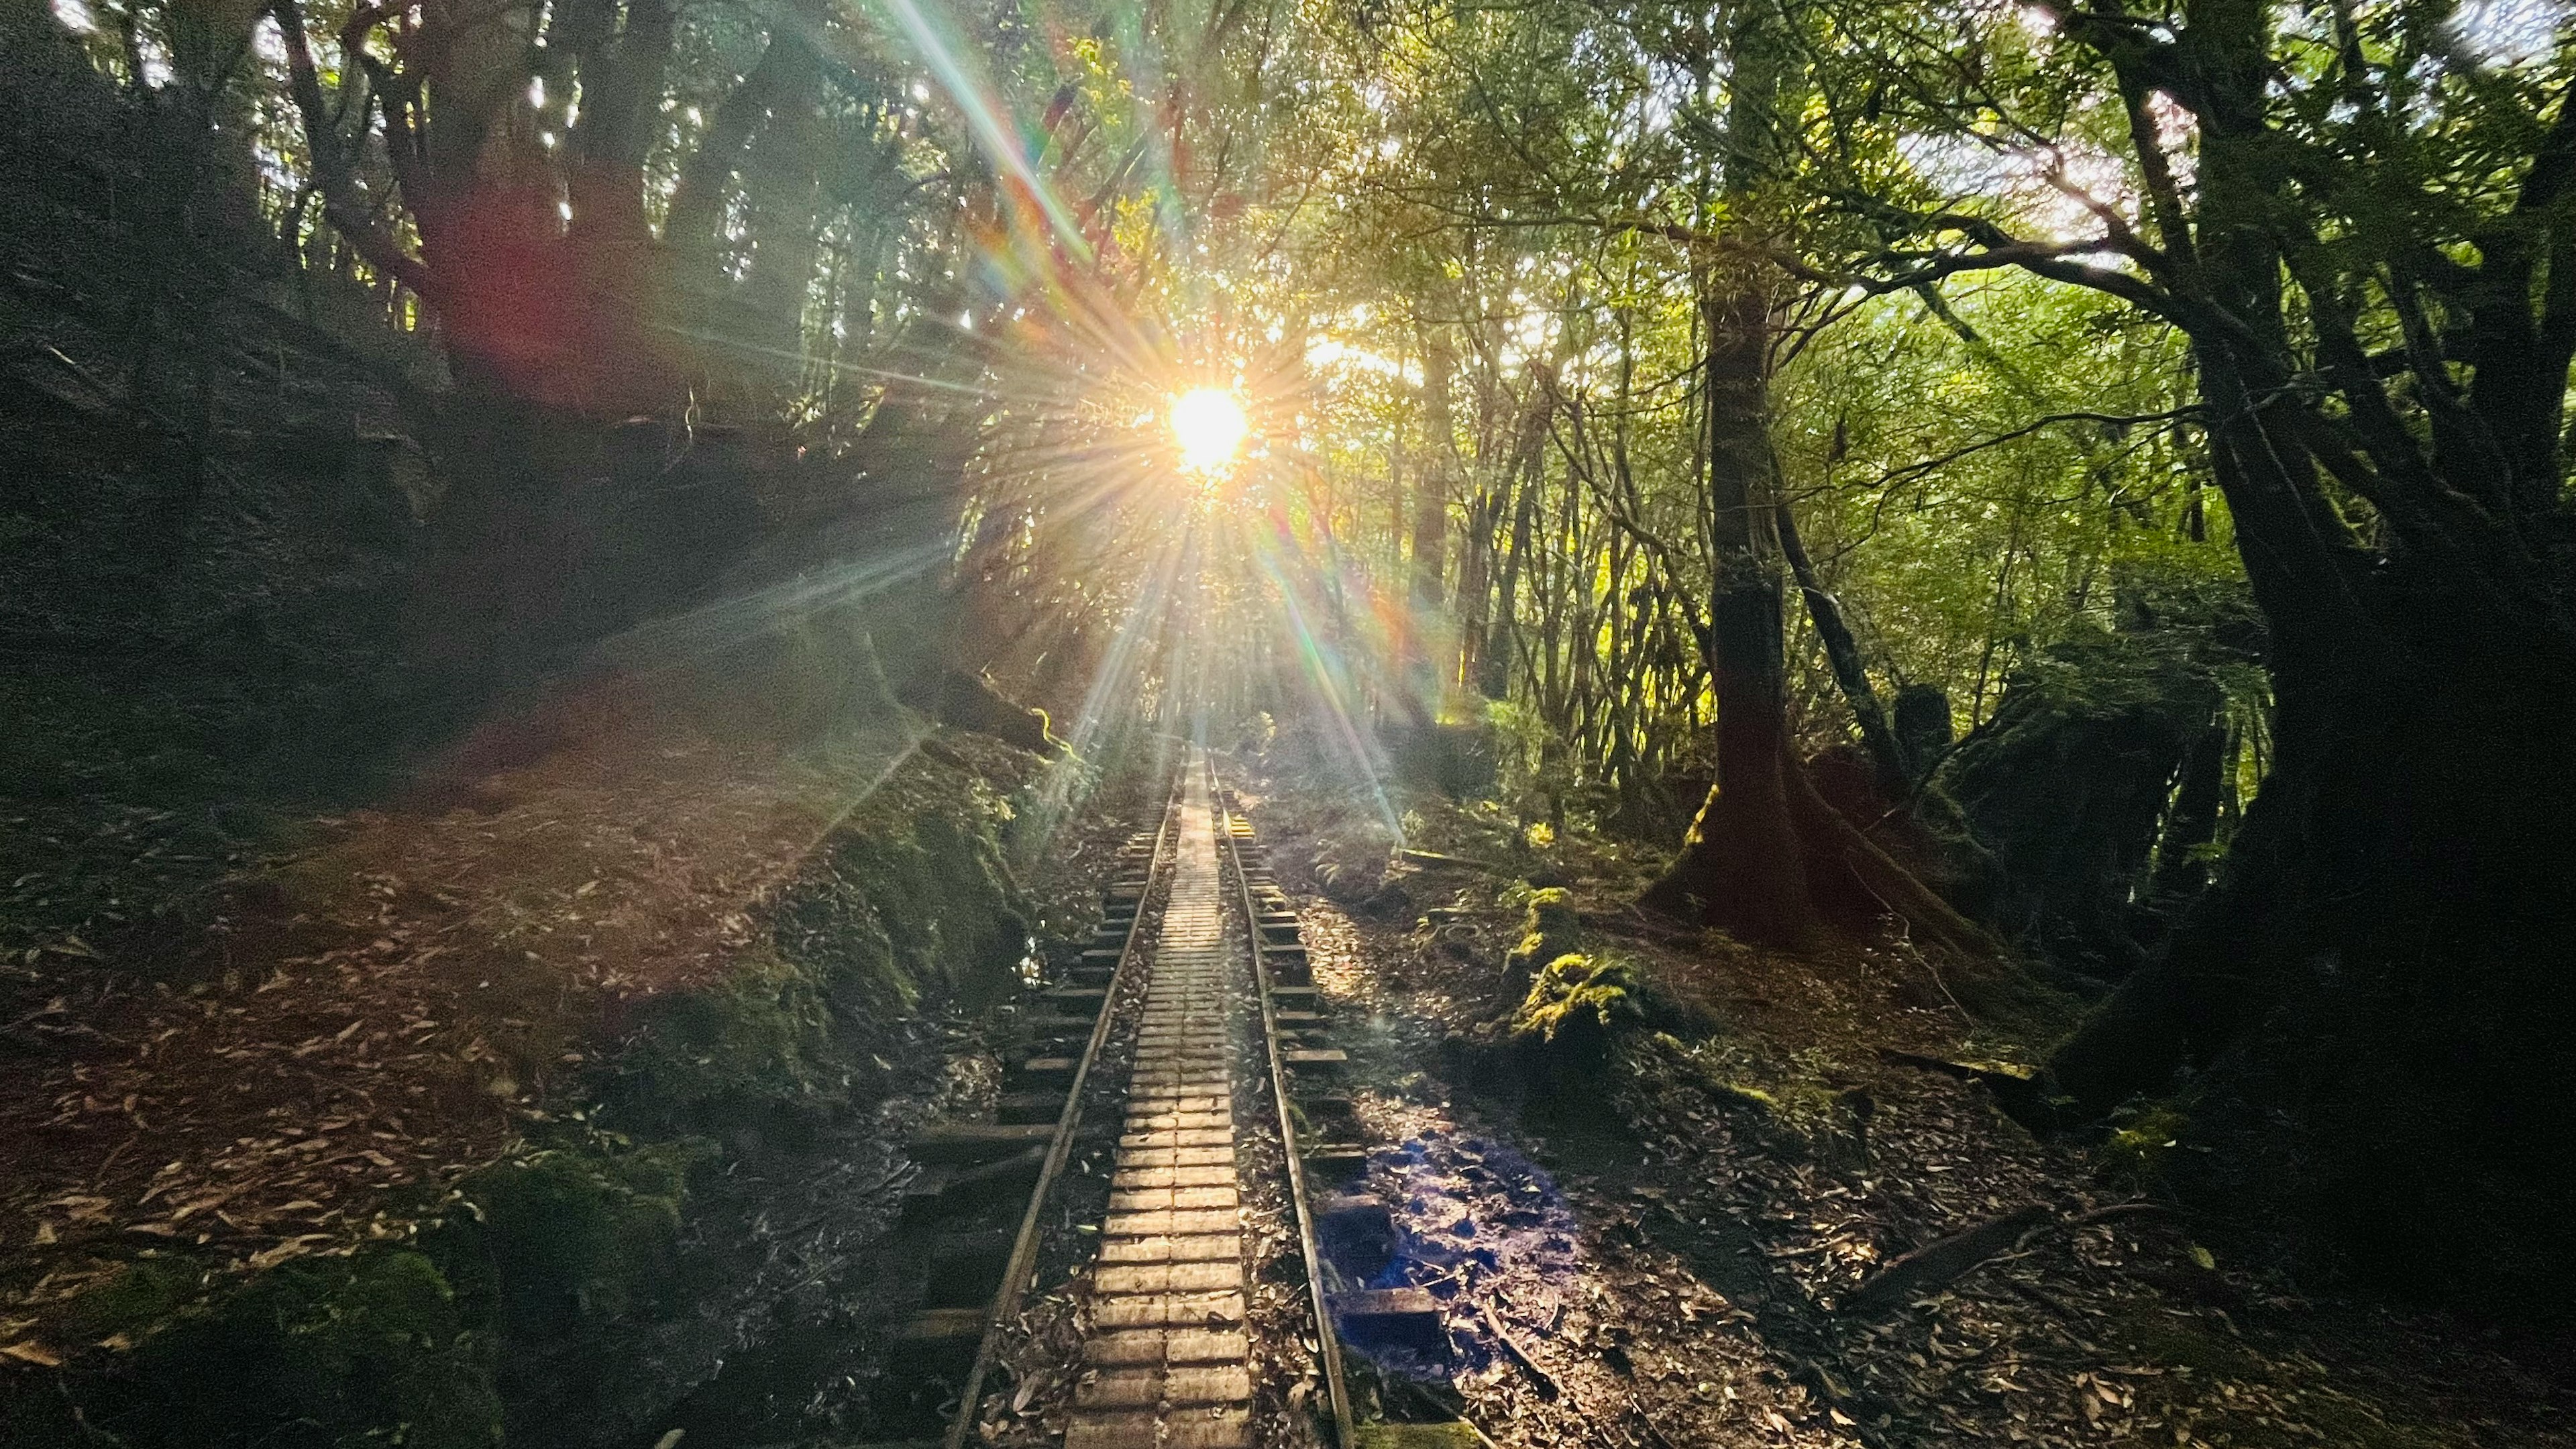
1707, 1208
447, 1094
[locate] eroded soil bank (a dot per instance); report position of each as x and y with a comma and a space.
535, 1115
1665, 1245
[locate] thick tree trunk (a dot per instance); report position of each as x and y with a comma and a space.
610, 241
1742, 868
2378, 968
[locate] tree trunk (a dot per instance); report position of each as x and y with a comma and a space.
1767, 860
1476, 583
2180, 872
1893, 771
1435, 482
2377, 969
1742, 868
691, 226
780, 184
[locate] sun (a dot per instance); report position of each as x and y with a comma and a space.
1208, 423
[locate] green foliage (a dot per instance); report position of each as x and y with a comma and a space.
1534, 772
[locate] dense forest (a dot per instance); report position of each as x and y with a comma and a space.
630, 558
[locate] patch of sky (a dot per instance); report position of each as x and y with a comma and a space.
2510, 32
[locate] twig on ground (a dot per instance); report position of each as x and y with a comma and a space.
1938, 1263
1548, 1386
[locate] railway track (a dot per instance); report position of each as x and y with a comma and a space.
1186, 1041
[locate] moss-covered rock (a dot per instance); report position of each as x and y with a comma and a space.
128, 1303
574, 1259
1574, 1007
572, 1239
912, 896
758, 1043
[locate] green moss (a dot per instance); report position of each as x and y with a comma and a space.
552, 1256
1551, 928
760, 1039
2133, 1157
133, 1301
1416, 1436
829, 924
321, 1353
948, 904
388, 1346
912, 895
1577, 1001
574, 1239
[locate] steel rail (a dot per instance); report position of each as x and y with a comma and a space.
1024, 1249
1327, 1342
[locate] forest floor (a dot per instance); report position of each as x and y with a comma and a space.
1667, 1256
387, 1007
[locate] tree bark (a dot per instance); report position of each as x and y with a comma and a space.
1434, 485
1893, 770
2180, 872
691, 226
1742, 867
1502, 641
2377, 961
343, 204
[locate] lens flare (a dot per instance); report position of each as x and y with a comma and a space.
1208, 423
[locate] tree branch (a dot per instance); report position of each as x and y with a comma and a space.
343, 204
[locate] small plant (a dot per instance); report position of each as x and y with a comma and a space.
2134, 1155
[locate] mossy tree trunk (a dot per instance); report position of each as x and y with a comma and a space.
2379, 963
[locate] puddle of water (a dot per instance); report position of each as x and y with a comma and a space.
1482, 1229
